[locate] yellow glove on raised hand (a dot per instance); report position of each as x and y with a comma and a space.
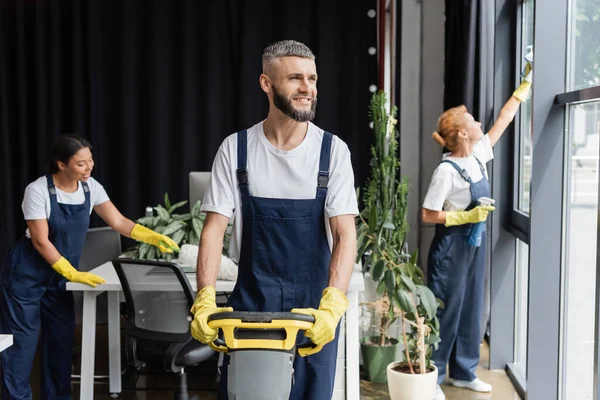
522, 92
204, 306
64, 267
333, 305
473, 216
164, 243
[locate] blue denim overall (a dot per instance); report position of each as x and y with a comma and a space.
33, 295
456, 273
284, 264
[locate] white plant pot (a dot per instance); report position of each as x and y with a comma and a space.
411, 386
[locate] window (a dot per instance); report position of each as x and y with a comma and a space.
523, 166
521, 289
579, 249
584, 46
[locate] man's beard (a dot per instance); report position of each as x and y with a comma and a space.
285, 106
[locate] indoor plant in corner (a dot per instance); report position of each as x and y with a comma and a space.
382, 232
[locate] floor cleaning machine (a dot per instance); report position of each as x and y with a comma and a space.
261, 347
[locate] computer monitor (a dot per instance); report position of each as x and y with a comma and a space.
198, 185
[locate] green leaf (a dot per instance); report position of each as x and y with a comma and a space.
414, 257
360, 239
167, 202
176, 206
381, 288
145, 221
196, 209
377, 270
440, 303
404, 300
178, 236
390, 281
182, 217
410, 285
197, 225
160, 229
169, 256
173, 227
389, 225
162, 213
144, 248
432, 339
427, 300
362, 250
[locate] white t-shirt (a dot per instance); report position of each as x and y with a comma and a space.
448, 190
274, 173
36, 202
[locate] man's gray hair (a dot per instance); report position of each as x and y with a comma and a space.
285, 48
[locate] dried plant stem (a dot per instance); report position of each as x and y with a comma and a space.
410, 366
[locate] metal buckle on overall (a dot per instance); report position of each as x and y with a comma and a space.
242, 176
465, 175
322, 180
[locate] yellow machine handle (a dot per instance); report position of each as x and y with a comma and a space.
258, 330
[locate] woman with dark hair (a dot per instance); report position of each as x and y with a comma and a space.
57, 210
456, 261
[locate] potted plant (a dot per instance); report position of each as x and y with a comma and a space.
403, 297
182, 228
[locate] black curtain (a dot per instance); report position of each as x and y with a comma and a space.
469, 56
157, 85
469, 75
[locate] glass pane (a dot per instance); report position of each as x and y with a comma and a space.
584, 44
521, 290
525, 120
579, 264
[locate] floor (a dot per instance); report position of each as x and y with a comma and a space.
503, 388
155, 385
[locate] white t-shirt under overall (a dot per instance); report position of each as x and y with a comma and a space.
448, 190
36, 201
274, 173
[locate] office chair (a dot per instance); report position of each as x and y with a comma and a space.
157, 318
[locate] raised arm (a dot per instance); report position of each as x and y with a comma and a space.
508, 111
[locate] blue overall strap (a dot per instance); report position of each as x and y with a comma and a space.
241, 172
324, 161
51, 190
86, 192
461, 171
480, 167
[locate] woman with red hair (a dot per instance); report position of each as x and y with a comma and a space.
456, 262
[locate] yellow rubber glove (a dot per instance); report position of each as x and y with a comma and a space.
204, 306
522, 92
164, 243
473, 216
333, 305
64, 267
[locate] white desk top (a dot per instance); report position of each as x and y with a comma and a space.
5, 341
107, 271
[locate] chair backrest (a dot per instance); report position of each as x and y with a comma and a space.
158, 298
198, 185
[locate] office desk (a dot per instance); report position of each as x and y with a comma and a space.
113, 289
5, 342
